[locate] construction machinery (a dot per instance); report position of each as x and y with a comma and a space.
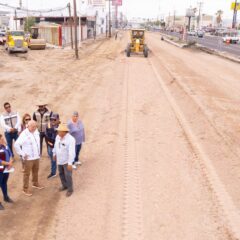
137, 44
34, 42
15, 42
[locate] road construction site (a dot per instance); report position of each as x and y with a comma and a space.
161, 158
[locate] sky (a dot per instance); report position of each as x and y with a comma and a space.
143, 8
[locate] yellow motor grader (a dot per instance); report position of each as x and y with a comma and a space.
137, 44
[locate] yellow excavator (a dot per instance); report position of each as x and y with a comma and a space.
34, 42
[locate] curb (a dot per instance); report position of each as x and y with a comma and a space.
217, 53
172, 42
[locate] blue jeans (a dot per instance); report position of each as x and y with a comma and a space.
9, 138
77, 149
3, 183
53, 163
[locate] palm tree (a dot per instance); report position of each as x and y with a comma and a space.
219, 14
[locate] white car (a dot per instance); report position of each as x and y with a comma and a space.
191, 33
231, 39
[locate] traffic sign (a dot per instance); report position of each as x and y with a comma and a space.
233, 6
117, 2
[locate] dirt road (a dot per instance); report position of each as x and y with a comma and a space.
161, 156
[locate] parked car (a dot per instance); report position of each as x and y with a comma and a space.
200, 33
191, 33
231, 39
2, 38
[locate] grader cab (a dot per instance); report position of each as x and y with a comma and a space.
137, 44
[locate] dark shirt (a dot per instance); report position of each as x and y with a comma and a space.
51, 134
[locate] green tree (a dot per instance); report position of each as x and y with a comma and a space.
29, 22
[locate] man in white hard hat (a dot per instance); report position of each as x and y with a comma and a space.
64, 153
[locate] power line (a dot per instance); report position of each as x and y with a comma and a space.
33, 11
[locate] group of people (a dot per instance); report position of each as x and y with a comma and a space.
63, 141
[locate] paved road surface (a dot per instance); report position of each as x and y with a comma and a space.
214, 42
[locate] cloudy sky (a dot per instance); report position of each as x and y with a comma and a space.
142, 8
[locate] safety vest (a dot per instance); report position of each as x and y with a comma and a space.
42, 120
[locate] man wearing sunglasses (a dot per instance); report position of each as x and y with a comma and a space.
11, 122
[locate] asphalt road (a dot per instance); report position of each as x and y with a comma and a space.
213, 42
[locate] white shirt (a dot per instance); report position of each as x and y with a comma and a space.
64, 149
8, 116
28, 144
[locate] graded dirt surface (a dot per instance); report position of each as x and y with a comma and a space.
161, 154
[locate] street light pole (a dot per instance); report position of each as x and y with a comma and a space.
75, 28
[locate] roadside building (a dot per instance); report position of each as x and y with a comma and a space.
56, 26
178, 22
4, 19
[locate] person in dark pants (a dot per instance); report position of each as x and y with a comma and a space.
51, 134
64, 154
76, 129
11, 123
6, 161
42, 117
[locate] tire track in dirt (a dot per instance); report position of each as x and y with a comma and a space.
231, 213
180, 81
132, 201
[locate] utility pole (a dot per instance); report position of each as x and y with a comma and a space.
174, 18
80, 24
95, 26
199, 14
106, 26
75, 28
116, 14
70, 21
20, 3
16, 19
169, 20
235, 14
27, 17
109, 20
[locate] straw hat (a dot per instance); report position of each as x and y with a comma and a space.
41, 104
62, 128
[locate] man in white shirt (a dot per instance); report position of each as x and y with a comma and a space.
64, 153
28, 147
10, 121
